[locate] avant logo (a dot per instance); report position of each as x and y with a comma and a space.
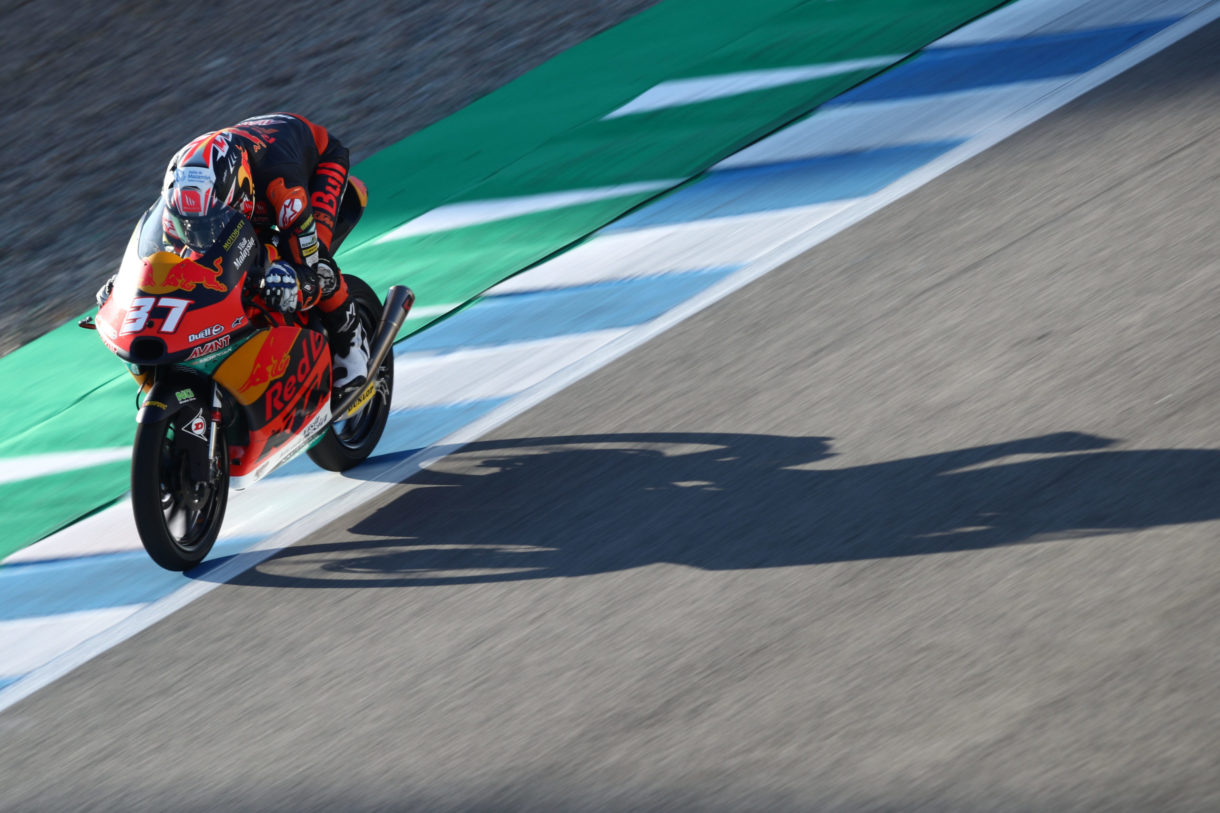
209, 348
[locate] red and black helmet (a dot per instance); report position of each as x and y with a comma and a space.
210, 172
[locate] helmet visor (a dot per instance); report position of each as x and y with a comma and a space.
198, 230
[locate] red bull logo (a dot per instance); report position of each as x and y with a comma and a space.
272, 359
164, 272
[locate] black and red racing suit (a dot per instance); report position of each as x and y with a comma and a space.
300, 175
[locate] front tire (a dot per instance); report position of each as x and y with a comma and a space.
178, 518
347, 443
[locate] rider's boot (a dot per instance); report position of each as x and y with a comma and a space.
349, 348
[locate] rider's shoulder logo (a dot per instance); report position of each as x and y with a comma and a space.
290, 209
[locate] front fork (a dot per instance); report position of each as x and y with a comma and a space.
215, 425
200, 428
193, 402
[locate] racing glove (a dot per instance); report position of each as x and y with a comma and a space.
280, 289
103, 293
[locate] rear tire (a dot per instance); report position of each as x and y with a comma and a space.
347, 443
178, 518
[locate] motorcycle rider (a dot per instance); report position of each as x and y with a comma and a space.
289, 176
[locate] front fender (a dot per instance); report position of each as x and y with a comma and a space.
174, 389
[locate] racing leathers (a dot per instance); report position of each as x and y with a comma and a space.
299, 177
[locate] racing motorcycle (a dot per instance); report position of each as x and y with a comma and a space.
230, 390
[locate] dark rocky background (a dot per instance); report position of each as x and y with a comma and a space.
97, 96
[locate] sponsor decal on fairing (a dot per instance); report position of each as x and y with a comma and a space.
198, 426
209, 348
307, 435
214, 330
243, 251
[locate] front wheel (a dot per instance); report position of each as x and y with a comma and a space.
178, 516
348, 442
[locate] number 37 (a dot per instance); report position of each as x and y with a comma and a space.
137, 315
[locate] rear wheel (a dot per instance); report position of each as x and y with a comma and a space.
348, 442
177, 515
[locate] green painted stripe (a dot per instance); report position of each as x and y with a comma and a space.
542, 133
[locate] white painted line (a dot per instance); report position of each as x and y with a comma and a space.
111, 530
429, 379
388, 475
851, 128
461, 215
429, 311
40, 465
27, 643
681, 92
646, 252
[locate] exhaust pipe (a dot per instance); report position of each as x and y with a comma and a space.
398, 301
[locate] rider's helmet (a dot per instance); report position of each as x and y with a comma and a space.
207, 177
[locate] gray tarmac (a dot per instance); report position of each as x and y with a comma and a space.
925, 519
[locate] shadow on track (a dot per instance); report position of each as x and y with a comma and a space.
572, 506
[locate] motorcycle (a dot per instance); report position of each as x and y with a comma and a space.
231, 390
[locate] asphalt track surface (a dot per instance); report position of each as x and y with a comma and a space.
926, 519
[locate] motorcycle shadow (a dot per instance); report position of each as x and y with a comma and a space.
549, 507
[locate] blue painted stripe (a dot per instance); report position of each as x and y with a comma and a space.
9, 681
419, 428
771, 187
90, 583
944, 70
506, 319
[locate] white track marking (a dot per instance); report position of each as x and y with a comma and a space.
41, 465
429, 311
681, 92
27, 643
492, 372
474, 213
851, 128
111, 530
646, 252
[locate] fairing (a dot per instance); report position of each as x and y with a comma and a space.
281, 380
167, 307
